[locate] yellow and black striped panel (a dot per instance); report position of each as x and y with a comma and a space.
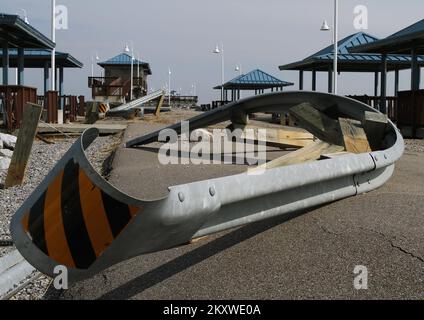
74, 221
102, 108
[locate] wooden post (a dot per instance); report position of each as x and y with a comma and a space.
314, 80
383, 98
27, 132
301, 80
317, 123
376, 75
159, 106
354, 136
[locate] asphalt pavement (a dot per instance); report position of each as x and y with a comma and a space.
308, 256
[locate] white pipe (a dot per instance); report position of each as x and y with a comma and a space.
222, 73
336, 47
53, 66
92, 66
169, 88
132, 71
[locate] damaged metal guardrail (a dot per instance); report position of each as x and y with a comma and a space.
77, 219
139, 102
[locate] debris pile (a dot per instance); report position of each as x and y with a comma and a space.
7, 145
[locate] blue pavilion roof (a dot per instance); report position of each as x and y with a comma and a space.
124, 59
360, 62
256, 78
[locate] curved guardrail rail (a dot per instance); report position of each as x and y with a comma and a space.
77, 219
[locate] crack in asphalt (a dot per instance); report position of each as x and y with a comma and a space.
403, 250
389, 239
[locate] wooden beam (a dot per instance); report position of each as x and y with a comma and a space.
276, 137
317, 123
308, 154
375, 125
159, 106
354, 136
26, 135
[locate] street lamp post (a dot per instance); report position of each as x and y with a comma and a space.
169, 87
53, 30
239, 69
127, 50
326, 27
92, 64
218, 51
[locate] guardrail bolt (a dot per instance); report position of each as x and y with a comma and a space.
181, 197
212, 191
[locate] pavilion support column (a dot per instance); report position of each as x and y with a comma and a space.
383, 107
21, 66
415, 77
46, 77
314, 80
301, 80
396, 82
6, 63
330, 79
61, 86
376, 83
61, 80
57, 78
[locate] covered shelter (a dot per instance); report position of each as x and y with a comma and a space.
256, 80
322, 61
16, 33
409, 40
116, 83
41, 59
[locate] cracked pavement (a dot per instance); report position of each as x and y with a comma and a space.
308, 256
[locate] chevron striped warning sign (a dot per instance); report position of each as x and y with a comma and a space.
103, 108
74, 222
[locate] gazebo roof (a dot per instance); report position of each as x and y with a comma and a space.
36, 58
399, 42
17, 33
124, 59
256, 79
348, 62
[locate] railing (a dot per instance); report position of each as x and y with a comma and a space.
113, 86
13, 100
411, 110
391, 104
72, 107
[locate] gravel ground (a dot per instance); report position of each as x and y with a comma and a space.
414, 145
43, 159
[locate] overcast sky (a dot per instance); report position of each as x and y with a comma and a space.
181, 34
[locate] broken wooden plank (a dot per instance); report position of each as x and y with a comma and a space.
310, 153
159, 106
375, 125
275, 136
335, 155
279, 137
22, 152
354, 136
317, 123
104, 128
40, 137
